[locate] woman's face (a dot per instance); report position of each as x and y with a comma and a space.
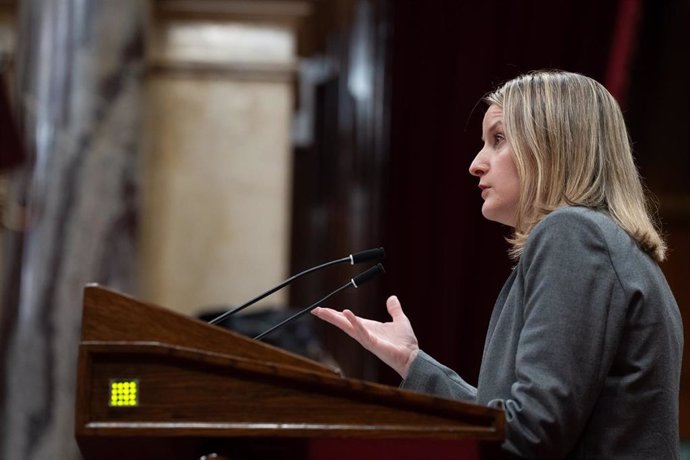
494, 166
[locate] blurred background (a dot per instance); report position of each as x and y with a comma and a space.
193, 153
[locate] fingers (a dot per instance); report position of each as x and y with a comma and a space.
359, 331
347, 322
355, 322
333, 317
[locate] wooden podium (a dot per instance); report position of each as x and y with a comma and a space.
154, 384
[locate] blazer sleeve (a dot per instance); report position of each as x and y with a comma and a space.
426, 375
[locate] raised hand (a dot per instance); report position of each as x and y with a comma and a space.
393, 342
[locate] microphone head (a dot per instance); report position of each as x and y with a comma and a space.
362, 278
369, 254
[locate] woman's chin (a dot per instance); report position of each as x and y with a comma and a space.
490, 214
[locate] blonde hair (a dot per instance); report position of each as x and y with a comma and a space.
571, 148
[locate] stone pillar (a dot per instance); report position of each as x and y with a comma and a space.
79, 66
217, 173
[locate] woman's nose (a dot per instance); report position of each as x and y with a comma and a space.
478, 167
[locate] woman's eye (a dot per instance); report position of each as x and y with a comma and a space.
498, 137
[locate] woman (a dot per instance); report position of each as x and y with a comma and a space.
583, 351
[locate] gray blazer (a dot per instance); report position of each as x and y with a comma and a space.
583, 350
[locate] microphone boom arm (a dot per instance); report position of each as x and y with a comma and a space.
356, 258
355, 282
220, 318
302, 312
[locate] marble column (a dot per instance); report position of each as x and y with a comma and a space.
74, 206
216, 180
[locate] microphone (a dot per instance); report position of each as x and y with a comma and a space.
359, 257
356, 282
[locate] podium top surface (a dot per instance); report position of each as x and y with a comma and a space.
109, 316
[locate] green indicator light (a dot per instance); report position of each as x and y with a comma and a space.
124, 393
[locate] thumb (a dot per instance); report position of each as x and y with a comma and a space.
394, 308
